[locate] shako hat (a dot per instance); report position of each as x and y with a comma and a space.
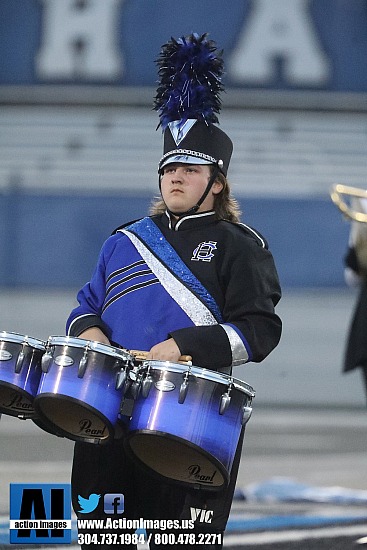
188, 101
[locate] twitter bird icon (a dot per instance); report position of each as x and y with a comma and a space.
89, 504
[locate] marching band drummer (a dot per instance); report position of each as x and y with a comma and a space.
356, 276
189, 279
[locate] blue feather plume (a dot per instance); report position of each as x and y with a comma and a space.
190, 70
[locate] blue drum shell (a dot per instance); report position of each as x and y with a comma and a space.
20, 373
189, 443
82, 408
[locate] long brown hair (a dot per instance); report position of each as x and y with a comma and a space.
226, 207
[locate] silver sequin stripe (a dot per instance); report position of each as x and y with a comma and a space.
239, 351
194, 309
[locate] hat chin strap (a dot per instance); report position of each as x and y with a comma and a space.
195, 208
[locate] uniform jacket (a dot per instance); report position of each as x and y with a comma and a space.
210, 284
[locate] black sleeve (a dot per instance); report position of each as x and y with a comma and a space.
208, 346
351, 260
87, 321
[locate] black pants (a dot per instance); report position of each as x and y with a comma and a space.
108, 469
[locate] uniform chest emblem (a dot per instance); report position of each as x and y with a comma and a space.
204, 251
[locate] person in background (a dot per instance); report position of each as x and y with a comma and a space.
356, 276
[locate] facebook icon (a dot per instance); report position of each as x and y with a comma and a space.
114, 503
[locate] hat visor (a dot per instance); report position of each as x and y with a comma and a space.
184, 159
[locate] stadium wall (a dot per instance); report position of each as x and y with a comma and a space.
53, 241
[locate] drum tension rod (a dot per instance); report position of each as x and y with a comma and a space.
46, 359
20, 359
135, 386
246, 412
184, 387
83, 361
225, 399
120, 378
147, 383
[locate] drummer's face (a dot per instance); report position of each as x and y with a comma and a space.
182, 185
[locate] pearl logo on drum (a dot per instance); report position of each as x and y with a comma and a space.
17, 403
164, 385
87, 429
64, 361
5, 355
196, 474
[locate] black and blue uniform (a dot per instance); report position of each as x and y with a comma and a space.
212, 286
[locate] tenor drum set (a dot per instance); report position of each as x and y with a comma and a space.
181, 422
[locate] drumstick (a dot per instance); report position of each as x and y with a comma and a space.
143, 356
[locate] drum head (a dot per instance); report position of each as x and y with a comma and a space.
73, 419
177, 460
46, 426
